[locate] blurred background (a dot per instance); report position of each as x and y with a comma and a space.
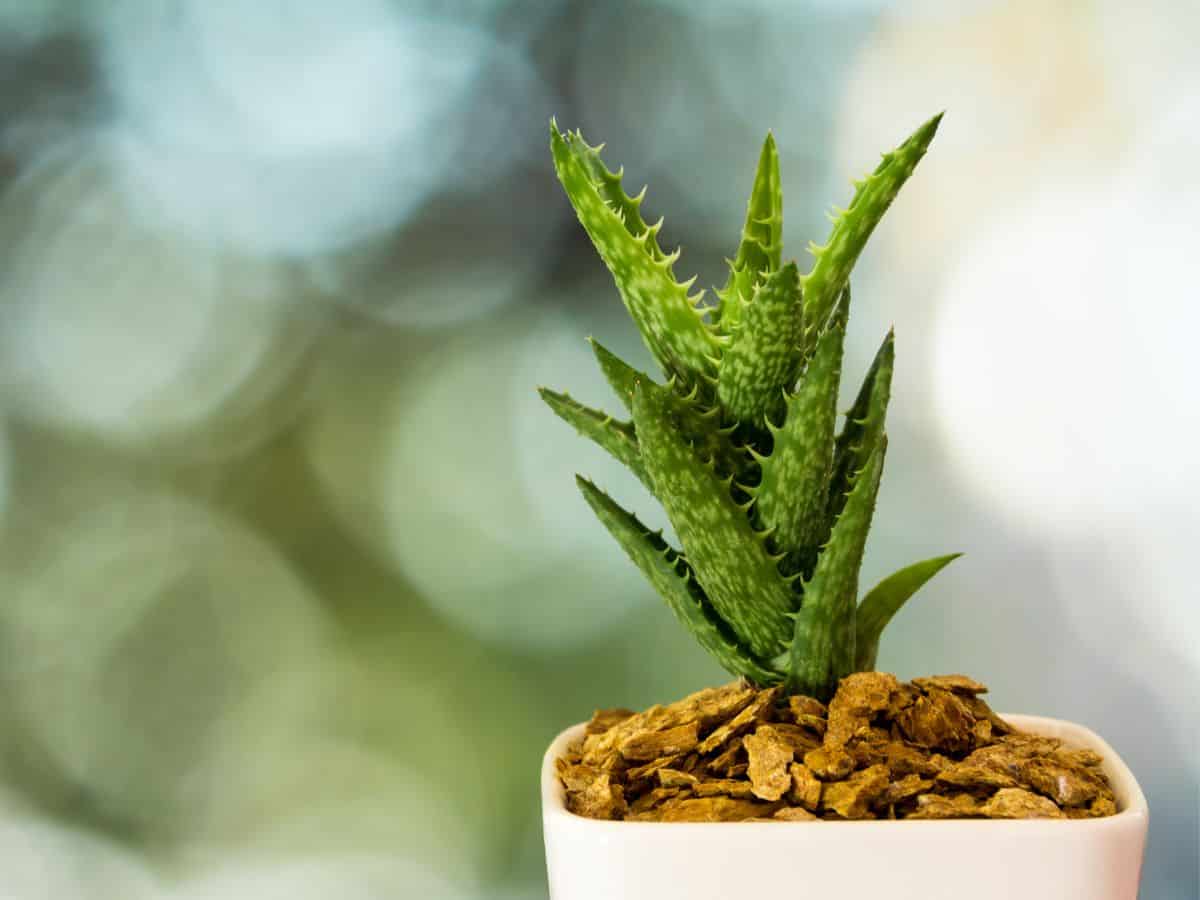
295, 584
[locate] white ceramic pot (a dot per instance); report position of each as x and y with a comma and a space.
1077, 859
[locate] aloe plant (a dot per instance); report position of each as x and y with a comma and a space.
739, 441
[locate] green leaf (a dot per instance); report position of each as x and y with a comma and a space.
853, 226
701, 427
622, 377
608, 185
864, 425
618, 438
738, 574
761, 247
823, 645
793, 495
764, 355
674, 580
734, 298
697, 423
670, 321
884, 600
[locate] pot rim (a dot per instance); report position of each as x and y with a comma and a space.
1131, 802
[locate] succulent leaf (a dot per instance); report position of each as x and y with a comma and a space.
674, 580
771, 505
761, 248
735, 297
864, 425
609, 185
701, 426
884, 600
793, 495
853, 226
670, 321
622, 377
823, 646
764, 355
738, 574
618, 438
698, 425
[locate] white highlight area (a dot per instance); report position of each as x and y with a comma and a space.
44, 861
1028, 363
1064, 366
1064, 341
1152, 245
295, 128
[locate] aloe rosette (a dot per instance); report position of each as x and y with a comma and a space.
739, 441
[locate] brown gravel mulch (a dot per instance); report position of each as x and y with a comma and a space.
929, 749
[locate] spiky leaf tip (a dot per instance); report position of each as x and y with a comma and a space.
731, 560
763, 358
884, 600
609, 185
823, 644
622, 377
760, 250
865, 423
616, 437
761, 247
675, 582
670, 320
853, 226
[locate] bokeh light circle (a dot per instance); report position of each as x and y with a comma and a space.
305, 127
1027, 336
136, 629
337, 795
1150, 265
695, 73
1012, 94
1156, 205
462, 479
1150, 52
314, 793
137, 337
464, 256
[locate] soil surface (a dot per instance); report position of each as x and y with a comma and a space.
882, 749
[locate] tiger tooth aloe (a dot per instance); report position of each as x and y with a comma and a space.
670, 318
739, 442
